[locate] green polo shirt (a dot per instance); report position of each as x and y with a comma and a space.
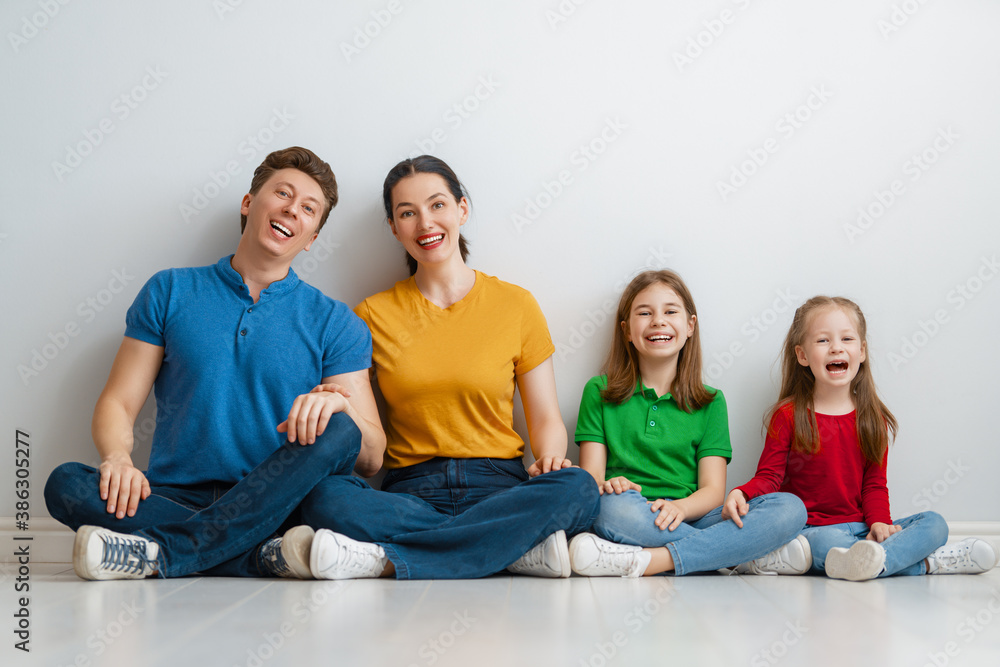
651, 441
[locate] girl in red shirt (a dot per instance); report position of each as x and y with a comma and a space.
827, 442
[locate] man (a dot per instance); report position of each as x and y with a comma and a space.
232, 350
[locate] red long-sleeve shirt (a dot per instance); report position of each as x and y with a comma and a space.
836, 483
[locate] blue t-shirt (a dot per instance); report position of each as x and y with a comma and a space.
232, 368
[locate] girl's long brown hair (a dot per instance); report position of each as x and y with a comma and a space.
874, 421
622, 364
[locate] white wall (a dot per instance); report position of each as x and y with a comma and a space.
840, 98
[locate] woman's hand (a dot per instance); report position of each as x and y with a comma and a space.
619, 484
548, 464
311, 413
671, 514
735, 507
881, 531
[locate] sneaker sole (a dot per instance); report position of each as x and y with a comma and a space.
563, 549
806, 555
863, 561
79, 552
298, 541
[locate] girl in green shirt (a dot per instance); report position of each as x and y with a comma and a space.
656, 440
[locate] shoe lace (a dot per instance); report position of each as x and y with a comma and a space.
126, 555
956, 557
532, 559
355, 557
615, 558
767, 564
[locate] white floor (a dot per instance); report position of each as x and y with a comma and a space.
714, 619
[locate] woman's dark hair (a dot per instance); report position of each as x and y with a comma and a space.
424, 164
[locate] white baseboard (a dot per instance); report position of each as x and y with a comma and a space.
52, 542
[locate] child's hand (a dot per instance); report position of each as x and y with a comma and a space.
671, 514
548, 464
619, 485
735, 507
881, 531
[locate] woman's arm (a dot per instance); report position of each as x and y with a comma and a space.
546, 431
710, 493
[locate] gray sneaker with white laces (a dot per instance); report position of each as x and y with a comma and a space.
592, 556
970, 556
549, 558
336, 556
100, 554
793, 558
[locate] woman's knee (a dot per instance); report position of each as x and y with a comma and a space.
332, 499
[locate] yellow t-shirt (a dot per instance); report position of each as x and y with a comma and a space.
447, 375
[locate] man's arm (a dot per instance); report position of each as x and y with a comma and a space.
350, 393
129, 383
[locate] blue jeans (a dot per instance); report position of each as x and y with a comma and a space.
708, 543
905, 551
213, 528
455, 518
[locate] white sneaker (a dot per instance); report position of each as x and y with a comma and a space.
550, 558
864, 560
592, 556
793, 558
100, 554
970, 556
288, 555
336, 556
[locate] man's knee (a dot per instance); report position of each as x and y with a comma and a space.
69, 486
340, 442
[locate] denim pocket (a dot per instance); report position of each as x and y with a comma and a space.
508, 467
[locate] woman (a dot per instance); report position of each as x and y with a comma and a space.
449, 346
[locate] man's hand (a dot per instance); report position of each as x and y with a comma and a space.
736, 506
311, 413
123, 486
548, 464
